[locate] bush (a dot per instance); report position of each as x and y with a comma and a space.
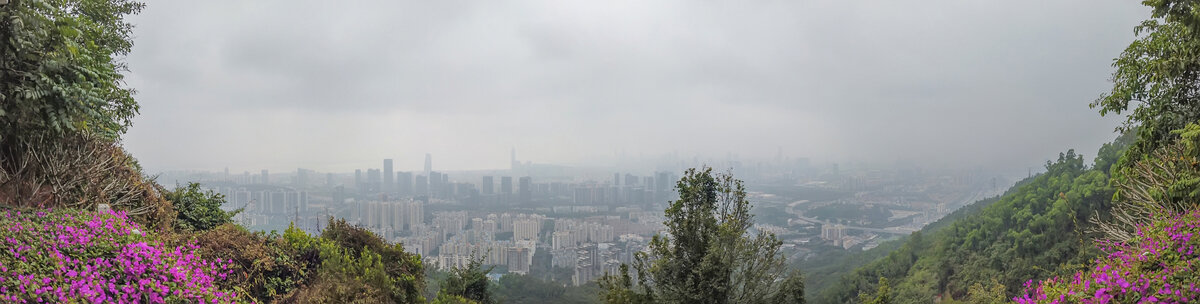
1159, 264
265, 267
357, 264
340, 289
80, 171
198, 210
80, 256
469, 283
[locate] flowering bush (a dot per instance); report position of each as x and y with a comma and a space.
79, 256
1158, 265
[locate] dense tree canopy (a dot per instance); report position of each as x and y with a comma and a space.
1038, 230
60, 67
1032, 231
1157, 78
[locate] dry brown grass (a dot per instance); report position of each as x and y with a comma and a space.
80, 171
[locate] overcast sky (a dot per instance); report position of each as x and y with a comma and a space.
338, 85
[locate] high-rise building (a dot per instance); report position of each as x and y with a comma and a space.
435, 184
358, 180
373, 181
329, 179
447, 189
428, 164
488, 185
616, 179
514, 164
833, 232
525, 189
301, 178
526, 229
388, 184
518, 260
404, 183
266, 177
422, 185
663, 186
506, 186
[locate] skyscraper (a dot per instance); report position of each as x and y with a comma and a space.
388, 184
404, 183
422, 185
488, 185
373, 181
514, 159
663, 185
301, 178
428, 164
358, 180
525, 191
506, 185
446, 189
266, 179
435, 184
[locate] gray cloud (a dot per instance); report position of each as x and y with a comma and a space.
339, 85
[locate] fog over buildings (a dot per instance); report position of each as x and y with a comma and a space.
335, 86
546, 138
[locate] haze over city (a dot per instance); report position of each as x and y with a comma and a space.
587, 152
334, 86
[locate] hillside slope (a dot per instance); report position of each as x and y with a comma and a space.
1033, 231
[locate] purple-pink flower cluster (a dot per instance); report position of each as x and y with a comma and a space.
78, 256
1158, 266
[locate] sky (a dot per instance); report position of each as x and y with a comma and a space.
339, 85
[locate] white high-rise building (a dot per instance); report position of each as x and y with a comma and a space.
526, 230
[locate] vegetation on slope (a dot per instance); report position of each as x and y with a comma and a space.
1030, 232
1036, 232
72, 256
825, 271
1157, 265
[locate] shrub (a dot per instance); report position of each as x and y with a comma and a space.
1159, 264
1167, 180
198, 210
340, 289
265, 267
470, 283
80, 171
355, 263
80, 256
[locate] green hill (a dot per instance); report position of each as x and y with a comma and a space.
1031, 232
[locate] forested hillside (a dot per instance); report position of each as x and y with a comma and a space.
1032, 231
1086, 232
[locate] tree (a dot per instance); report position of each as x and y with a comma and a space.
199, 210
707, 256
1158, 75
994, 293
60, 68
882, 295
470, 283
60, 85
